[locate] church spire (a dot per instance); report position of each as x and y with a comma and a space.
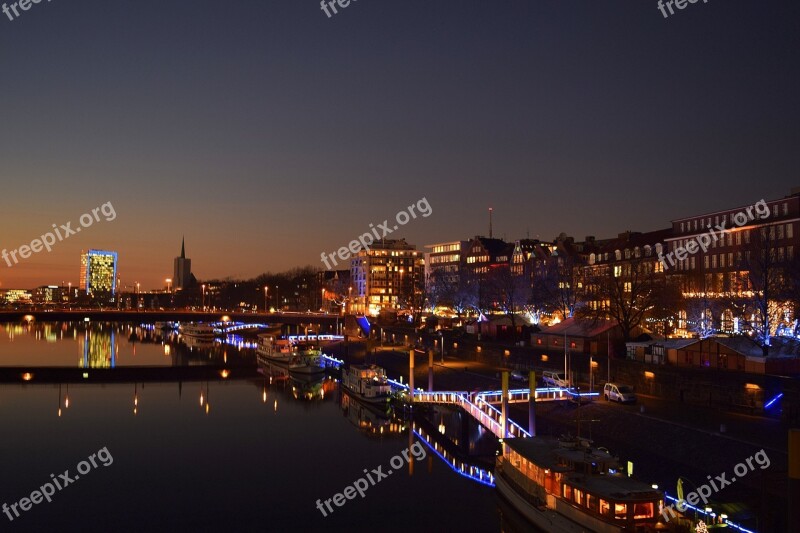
183, 247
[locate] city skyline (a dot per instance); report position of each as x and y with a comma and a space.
168, 280
286, 121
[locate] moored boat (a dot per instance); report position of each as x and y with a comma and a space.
198, 329
367, 383
273, 350
307, 362
568, 486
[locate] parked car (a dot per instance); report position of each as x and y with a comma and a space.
554, 379
616, 392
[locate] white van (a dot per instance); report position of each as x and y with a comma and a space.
616, 392
554, 379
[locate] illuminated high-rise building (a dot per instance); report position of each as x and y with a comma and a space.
387, 276
98, 272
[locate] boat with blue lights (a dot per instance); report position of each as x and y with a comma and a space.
367, 383
198, 329
566, 485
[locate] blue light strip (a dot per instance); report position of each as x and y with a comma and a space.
473, 477
707, 515
775, 399
397, 384
538, 391
335, 362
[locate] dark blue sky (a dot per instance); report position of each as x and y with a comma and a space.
268, 133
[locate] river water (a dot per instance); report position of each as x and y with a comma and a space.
250, 454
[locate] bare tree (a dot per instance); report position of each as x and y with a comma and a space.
558, 285
509, 292
761, 283
627, 292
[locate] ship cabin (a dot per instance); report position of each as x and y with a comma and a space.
580, 482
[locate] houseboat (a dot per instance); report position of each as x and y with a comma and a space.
566, 485
273, 350
367, 383
307, 361
198, 329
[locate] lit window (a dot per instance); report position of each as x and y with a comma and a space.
643, 510
605, 509
621, 511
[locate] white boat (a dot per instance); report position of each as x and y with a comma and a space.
198, 329
307, 362
273, 350
367, 383
567, 486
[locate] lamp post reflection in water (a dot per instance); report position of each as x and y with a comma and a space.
135, 398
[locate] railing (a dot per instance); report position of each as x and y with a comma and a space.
482, 476
482, 409
332, 362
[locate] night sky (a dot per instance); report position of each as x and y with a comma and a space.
268, 133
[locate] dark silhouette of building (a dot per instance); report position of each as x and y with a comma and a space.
182, 278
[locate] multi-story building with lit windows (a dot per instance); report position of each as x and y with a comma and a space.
445, 261
483, 253
98, 272
387, 276
15, 296
50, 294
726, 259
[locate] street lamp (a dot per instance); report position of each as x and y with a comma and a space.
277, 304
203, 286
322, 300
265, 299
169, 285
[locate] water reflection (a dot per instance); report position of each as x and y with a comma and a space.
372, 420
102, 345
99, 347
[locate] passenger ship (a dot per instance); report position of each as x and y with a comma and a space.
303, 359
367, 383
270, 349
565, 485
198, 329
